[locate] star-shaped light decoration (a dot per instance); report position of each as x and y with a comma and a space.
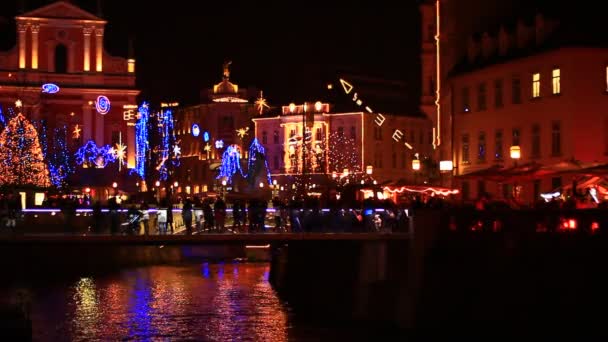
261, 103
18, 103
121, 153
242, 132
207, 149
177, 151
76, 132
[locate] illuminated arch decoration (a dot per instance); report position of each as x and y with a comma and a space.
50, 88
102, 105
196, 131
257, 152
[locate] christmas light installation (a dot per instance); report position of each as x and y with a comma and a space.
50, 88
90, 155
257, 154
102, 105
76, 132
219, 144
343, 153
196, 131
22, 160
2, 118
206, 136
261, 103
60, 163
379, 119
18, 104
437, 130
207, 149
242, 132
141, 140
120, 152
231, 164
166, 127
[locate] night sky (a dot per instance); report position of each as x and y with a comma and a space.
289, 50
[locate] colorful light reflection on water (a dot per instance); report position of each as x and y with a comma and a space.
223, 302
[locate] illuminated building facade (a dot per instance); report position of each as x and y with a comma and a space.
335, 142
63, 77
524, 84
206, 130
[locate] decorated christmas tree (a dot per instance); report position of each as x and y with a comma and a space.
22, 160
231, 163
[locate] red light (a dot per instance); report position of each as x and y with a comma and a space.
87, 190
572, 224
595, 227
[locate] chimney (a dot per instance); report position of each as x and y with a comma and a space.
539, 24
523, 35
504, 41
488, 45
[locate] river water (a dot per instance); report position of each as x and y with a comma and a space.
202, 302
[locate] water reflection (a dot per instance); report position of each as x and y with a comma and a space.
223, 302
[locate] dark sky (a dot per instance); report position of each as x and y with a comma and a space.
288, 49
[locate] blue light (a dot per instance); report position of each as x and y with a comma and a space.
256, 150
219, 144
231, 163
166, 130
141, 140
60, 165
102, 105
50, 88
196, 130
206, 136
93, 156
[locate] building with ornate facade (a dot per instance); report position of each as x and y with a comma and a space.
537, 84
207, 129
63, 77
335, 145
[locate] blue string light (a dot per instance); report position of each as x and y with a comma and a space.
141, 140
231, 163
2, 118
93, 156
60, 165
256, 150
166, 130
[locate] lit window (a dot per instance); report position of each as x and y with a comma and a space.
465, 148
536, 85
557, 89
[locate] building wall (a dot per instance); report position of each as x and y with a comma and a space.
374, 145
579, 109
31, 63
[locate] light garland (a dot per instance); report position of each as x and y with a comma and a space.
343, 153
166, 131
231, 163
141, 140
256, 150
22, 160
434, 191
90, 155
60, 166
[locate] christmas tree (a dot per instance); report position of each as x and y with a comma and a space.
231, 163
22, 159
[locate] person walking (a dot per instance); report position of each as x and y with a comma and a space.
187, 216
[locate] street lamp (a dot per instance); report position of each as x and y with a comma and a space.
157, 183
416, 164
114, 185
369, 169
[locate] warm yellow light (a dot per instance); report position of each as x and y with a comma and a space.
515, 152
175, 184
131, 65
261, 184
38, 198
318, 106
446, 165
416, 164
369, 169
345, 172
224, 183
274, 182
157, 183
330, 86
292, 107
114, 185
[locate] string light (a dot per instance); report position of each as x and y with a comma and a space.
22, 158
257, 152
166, 130
141, 140
231, 163
434, 191
90, 155
60, 166
343, 153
